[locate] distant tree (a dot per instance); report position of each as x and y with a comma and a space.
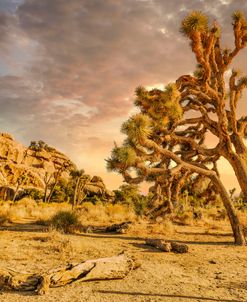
21, 181
48, 179
51, 180
82, 192
63, 191
77, 177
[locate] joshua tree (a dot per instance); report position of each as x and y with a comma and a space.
156, 149
167, 138
214, 95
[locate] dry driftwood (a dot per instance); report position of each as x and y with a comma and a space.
120, 228
116, 267
167, 246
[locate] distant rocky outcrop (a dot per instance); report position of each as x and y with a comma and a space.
34, 163
97, 187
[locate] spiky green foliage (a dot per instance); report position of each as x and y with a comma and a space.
172, 96
196, 21
121, 158
162, 106
137, 128
237, 16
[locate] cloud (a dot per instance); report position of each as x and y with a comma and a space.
71, 67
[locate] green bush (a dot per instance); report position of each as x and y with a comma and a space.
131, 196
32, 193
65, 221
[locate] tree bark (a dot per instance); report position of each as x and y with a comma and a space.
239, 164
231, 212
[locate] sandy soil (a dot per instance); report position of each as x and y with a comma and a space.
213, 270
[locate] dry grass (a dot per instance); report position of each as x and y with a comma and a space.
143, 228
98, 214
104, 214
28, 209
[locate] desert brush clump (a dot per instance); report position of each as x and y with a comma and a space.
65, 221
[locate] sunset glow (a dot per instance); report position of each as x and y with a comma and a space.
69, 69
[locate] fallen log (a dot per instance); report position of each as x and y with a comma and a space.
116, 267
120, 228
167, 246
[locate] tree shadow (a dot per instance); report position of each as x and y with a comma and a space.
109, 236
34, 227
205, 234
148, 248
172, 296
195, 242
24, 227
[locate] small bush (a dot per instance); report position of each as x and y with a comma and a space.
4, 219
31, 193
65, 221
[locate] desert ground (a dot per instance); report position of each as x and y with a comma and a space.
214, 269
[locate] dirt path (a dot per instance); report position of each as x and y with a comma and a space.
213, 270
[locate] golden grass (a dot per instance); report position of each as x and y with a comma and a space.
98, 214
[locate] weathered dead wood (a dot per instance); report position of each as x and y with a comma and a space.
167, 246
120, 228
116, 267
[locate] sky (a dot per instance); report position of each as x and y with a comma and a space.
69, 69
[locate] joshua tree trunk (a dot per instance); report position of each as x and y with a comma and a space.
231, 212
239, 164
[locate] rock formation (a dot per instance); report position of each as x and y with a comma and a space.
36, 163
17, 160
97, 187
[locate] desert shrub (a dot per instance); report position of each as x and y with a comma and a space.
95, 199
65, 221
63, 191
4, 219
164, 227
184, 218
131, 196
31, 193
